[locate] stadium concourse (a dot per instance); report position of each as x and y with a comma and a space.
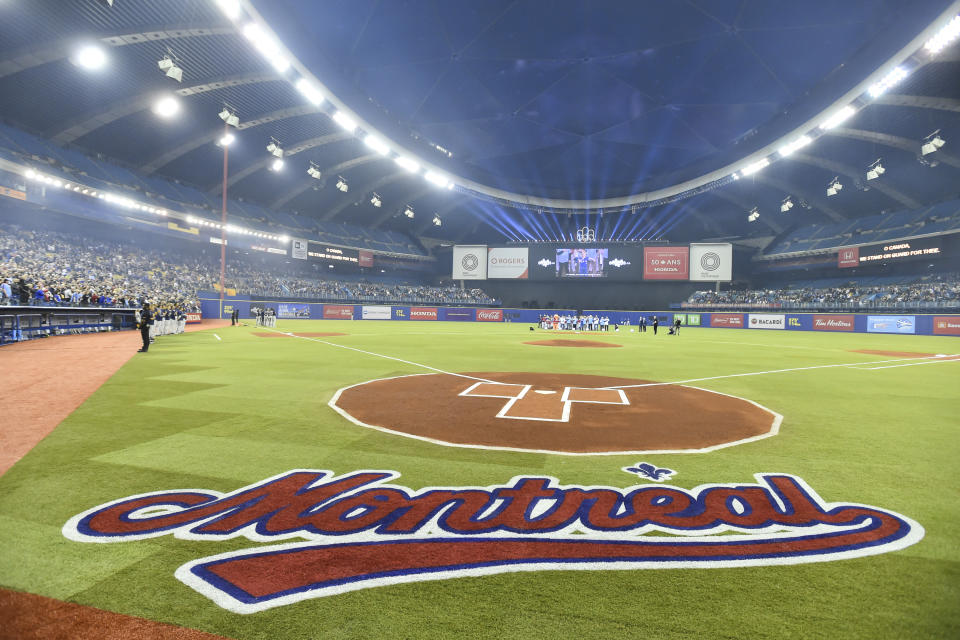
503, 319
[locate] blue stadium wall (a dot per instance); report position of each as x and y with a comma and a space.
906, 324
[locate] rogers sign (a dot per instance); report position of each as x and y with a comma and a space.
489, 315
832, 323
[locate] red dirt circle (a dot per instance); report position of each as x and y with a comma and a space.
591, 344
555, 413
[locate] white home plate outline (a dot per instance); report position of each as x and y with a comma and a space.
774, 427
513, 399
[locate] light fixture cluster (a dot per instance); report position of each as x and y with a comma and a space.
931, 143
437, 221
376, 200
229, 116
342, 185
875, 170
409, 212
240, 231
170, 68
944, 37
787, 204
834, 187
112, 198
314, 171
753, 215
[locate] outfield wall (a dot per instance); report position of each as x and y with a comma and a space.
907, 324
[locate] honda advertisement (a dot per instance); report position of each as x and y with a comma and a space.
729, 320
891, 324
338, 312
849, 257
832, 322
423, 313
489, 315
767, 321
666, 263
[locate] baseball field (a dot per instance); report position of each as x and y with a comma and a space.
437, 480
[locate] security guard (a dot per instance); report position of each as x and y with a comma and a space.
146, 321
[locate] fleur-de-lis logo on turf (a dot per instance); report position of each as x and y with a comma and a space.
650, 472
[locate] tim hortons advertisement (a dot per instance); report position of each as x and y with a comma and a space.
376, 312
508, 263
942, 325
832, 323
666, 263
711, 262
338, 311
849, 257
730, 320
423, 313
470, 262
489, 315
767, 321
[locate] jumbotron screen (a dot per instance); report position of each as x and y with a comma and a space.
586, 262
581, 262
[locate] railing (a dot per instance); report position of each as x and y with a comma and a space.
859, 305
20, 323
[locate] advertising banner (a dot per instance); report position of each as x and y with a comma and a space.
693, 320
289, 310
510, 263
849, 257
401, 313
711, 262
731, 320
470, 262
799, 322
423, 313
338, 311
666, 263
767, 321
365, 258
682, 317
376, 312
193, 318
831, 322
915, 249
946, 325
299, 248
891, 324
459, 315
489, 315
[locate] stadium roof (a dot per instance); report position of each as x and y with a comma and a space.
563, 100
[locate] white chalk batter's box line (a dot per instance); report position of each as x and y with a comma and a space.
513, 399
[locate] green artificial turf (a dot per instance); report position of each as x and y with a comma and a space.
197, 412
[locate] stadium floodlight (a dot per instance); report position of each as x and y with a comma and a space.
229, 116
834, 187
375, 200
751, 169
309, 91
409, 164
313, 171
90, 57
377, 145
267, 46
283, 238
838, 118
30, 174
170, 68
226, 140
786, 205
931, 143
438, 179
945, 36
875, 170
793, 145
274, 148
893, 78
230, 8
277, 165
409, 212
345, 121
166, 107
753, 215
342, 184
436, 220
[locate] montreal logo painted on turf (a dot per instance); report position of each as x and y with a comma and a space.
357, 531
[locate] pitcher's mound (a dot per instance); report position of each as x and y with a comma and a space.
555, 413
590, 344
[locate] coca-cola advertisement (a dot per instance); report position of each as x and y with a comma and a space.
489, 315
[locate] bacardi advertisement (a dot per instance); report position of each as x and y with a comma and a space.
768, 321
666, 263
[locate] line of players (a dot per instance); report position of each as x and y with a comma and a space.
575, 323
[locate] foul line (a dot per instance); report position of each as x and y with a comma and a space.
913, 364
380, 355
760, 373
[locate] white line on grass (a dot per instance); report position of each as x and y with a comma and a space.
217, 337
913, 364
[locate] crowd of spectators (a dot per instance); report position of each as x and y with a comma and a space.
943, 290
53, 268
